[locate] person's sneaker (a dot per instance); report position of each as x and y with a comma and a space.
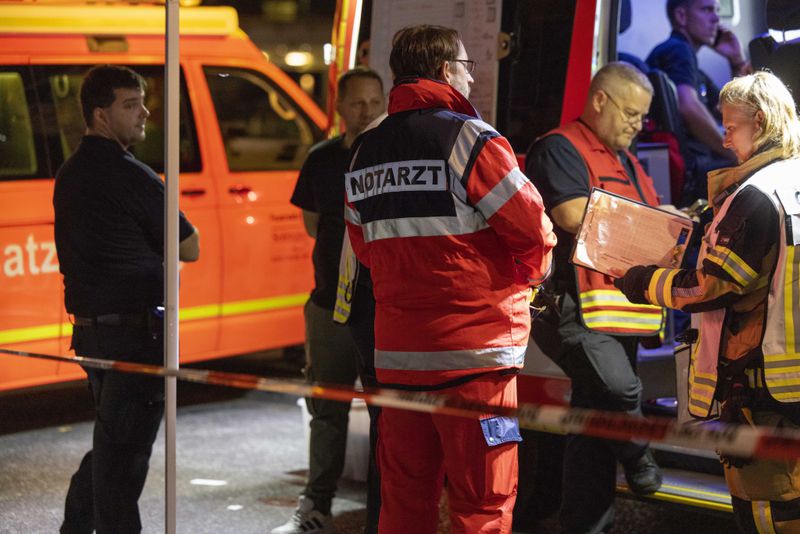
306, 520
643, 475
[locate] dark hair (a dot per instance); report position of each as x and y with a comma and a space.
99, 84
672, 5
421, 50
356, 72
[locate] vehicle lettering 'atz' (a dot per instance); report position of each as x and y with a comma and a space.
14, 258
396, 177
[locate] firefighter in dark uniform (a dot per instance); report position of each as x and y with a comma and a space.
594, 335
743, 294
109, 231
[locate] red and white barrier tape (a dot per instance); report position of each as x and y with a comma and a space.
738, 440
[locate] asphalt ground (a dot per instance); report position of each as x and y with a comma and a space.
249, 445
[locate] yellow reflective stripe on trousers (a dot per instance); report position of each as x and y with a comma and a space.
762, 517
52, 331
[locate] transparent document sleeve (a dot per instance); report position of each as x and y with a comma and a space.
618, 233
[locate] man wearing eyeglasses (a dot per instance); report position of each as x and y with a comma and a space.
454, 235
594, 334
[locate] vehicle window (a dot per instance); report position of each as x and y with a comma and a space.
261, 130
59, 88
18, 146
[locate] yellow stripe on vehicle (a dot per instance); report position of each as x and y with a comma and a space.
193, 313
31, 333
199, 312
252, 306
118, 20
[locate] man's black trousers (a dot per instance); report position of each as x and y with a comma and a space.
104, 492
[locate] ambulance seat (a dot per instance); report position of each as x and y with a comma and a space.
663, 123
782, 58
666, 126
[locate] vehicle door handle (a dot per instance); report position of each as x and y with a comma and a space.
193, 192
239, 190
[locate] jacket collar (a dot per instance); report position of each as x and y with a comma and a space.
721, 180
410, 94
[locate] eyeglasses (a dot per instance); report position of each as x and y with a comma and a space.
631, 117
469, 65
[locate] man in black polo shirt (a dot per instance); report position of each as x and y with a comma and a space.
695, 23
109, 231
331, 353
587, 334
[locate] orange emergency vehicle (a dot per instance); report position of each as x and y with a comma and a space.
245, 130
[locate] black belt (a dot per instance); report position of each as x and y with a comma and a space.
113, 319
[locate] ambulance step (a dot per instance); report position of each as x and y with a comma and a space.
687, 488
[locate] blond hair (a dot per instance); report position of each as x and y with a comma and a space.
763, 91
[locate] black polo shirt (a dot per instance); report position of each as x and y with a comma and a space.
559, 172
320, 189
678, 60
109, 230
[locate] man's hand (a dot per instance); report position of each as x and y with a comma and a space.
634, 283
189, 248
728, 45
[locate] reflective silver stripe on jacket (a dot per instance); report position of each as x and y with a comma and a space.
450, 360
502, 192
467, 223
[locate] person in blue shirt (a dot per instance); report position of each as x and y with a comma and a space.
696, 23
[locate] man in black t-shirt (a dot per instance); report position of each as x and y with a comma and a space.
695, 23
109, 232
331, 353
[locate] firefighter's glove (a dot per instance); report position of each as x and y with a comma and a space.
634, 283
736, 410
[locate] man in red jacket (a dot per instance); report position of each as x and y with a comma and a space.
454, 235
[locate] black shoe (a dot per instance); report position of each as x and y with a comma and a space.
643, 475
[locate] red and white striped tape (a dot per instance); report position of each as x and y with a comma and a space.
738, 440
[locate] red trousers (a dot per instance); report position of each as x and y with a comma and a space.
417, 450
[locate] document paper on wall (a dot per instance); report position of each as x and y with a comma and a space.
618, 233
478, 22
